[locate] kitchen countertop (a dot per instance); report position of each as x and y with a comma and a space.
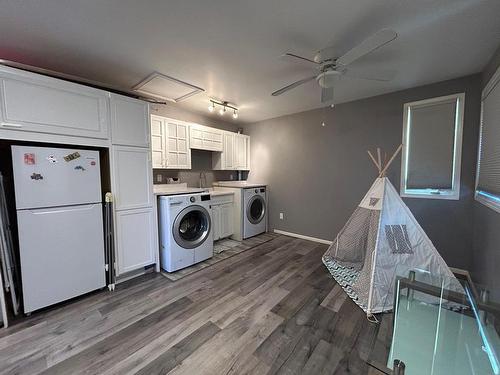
220, 192
182, 188
237, 184
174, 189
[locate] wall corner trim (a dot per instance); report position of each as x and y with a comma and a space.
301, 236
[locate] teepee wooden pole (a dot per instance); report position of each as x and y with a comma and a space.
382, 173
379, 158
374, 161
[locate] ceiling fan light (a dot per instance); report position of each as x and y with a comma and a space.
327, 79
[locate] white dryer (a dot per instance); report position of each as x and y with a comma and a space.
185, 230
254, 211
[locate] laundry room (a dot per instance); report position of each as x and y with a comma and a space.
260, 187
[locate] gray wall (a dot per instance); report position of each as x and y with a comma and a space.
317, 175
486, 254
201, 161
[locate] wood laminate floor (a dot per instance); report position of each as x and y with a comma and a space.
273, 309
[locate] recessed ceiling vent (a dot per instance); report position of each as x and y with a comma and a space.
165, 87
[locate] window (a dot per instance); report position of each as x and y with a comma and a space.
432, 147
488, 168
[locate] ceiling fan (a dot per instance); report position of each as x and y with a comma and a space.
330, 68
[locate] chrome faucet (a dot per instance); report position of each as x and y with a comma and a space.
203, 177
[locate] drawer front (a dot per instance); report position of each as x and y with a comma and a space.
47, 105
222, 199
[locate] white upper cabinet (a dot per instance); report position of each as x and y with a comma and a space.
158, 142
225, 160
129, 121
170, 143
235, 154
177, 145
228, 153
36, 103
242, 152
206, 138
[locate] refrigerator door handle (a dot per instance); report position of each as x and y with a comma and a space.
10, 125
51, 210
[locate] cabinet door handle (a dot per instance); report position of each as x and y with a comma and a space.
9, 125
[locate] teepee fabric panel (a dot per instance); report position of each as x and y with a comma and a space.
388, 264
349, 258
380, 241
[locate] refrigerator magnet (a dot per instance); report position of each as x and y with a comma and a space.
51, 159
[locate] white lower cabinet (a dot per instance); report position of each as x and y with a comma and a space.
226, 220
135, 223
216, 222
222, 216
135, 234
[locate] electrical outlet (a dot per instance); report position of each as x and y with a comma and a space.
282, 216
159, 178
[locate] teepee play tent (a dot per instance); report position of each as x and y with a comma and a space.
381, 240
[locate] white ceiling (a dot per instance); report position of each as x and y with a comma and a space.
232, 48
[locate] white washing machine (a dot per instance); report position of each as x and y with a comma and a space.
185, 230
254, 211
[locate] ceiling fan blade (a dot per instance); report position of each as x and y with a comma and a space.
376, 75
292, 86
377, 40
326, 95
297, 58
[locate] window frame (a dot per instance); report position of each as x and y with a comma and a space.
489, 200
447, 194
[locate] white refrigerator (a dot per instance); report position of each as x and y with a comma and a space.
60, 223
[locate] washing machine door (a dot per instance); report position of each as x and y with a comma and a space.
191, 227
256, 209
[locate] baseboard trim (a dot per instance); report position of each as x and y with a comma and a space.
301, 236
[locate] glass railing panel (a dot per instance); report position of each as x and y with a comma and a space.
439, 327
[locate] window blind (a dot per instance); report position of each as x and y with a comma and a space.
489, 157
431, 145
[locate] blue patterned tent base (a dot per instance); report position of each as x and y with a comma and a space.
345, 277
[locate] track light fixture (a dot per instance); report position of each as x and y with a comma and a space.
223, 107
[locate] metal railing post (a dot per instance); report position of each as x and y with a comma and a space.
484, 299
398, 367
